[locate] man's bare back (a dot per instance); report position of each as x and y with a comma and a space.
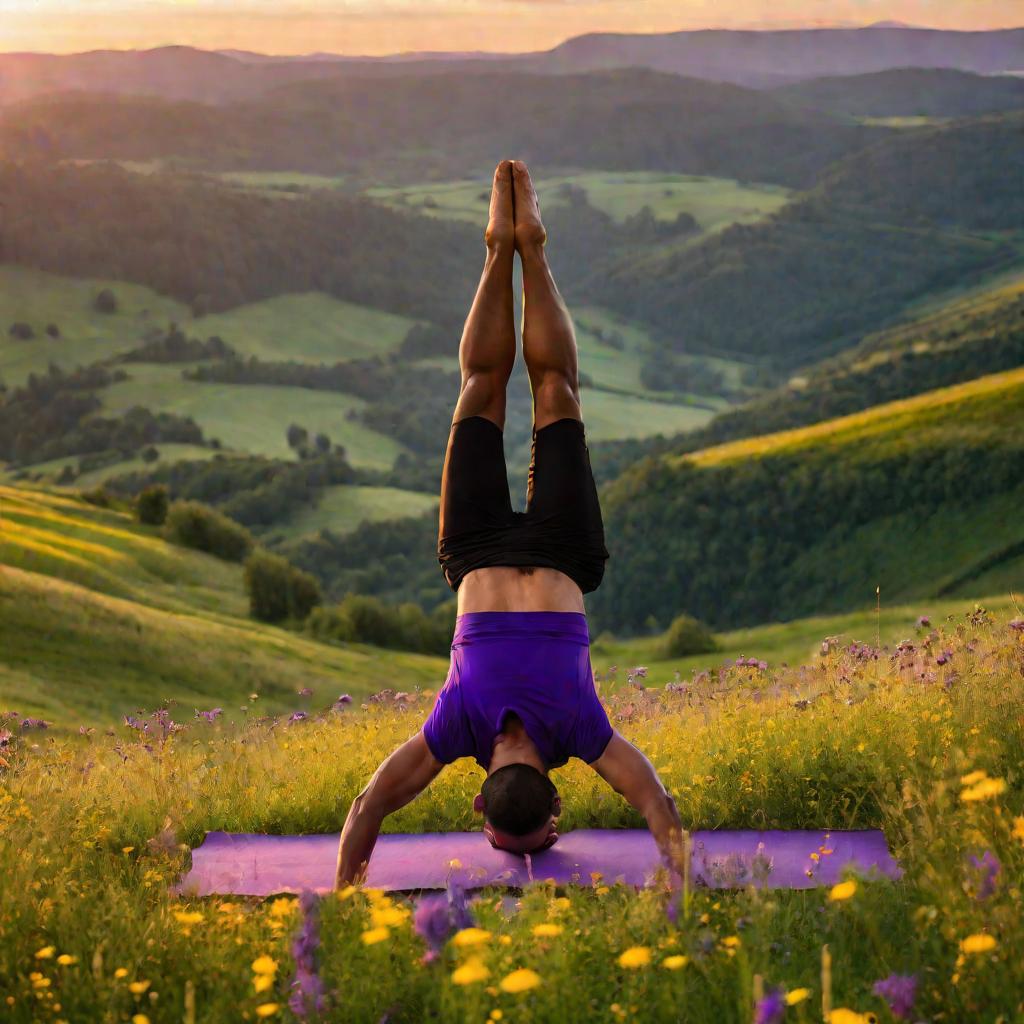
504, 588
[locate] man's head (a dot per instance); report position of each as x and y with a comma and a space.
520, 805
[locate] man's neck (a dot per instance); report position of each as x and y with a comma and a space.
513, 746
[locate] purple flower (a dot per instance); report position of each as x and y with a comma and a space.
34, 723
751, 663
899, 991
771, 1009
297, 716
944, 658
308, 994
211, 716
987, 869
924, 622
305, 692
5, 737
342, 701
136, 723
1017, 624
437, 916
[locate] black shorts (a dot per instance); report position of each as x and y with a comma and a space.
561, 527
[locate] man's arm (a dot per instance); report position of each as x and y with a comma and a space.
629, 773
403, 775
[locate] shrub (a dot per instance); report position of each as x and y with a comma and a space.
196, 525
277, 590
360, 618
53, 330
687, 635
22, 331
150, 454
151, 505
106, 301
98, 496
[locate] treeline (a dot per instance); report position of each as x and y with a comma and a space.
751, 540
216, 248
899, 364
919, 212
56, 414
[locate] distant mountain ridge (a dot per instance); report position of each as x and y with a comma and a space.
751, 58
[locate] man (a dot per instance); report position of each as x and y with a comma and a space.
520, 694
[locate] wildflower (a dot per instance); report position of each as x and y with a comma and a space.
127, 849
297, 716
138, 987
305, 691
46, 953
267, 1009
34, 723
471, 937
546, 930
374, 935
211, 716
844, 1016
770, 1009
341, 702
308, 994
5, 737
66, 959
797, 995
924, 622
899, 991
987, 869
432, 923
1017, 624
1018, 828
264, 965
472, 971
187, 917
843, 890
983, 790
520, 981
979, 943
674, 963
731, 941
972, 777
121, 972
634, 957
140, 1018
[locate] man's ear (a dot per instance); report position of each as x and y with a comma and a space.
556, 806
478, 803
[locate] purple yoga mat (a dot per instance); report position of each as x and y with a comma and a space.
260, 865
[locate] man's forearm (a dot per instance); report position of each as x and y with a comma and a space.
664, 824
358, 838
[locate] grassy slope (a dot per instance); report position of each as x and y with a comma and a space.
253, 418
713, 202
100, 615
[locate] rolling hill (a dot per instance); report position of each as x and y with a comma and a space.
920, 497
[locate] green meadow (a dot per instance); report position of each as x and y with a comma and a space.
713, 202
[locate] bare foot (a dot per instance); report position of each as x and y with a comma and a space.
500, 231
530, 233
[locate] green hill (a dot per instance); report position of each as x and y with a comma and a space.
99, 616
908, 92
919, 497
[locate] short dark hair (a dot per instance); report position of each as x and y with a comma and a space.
518, 799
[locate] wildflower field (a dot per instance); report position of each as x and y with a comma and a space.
924, 739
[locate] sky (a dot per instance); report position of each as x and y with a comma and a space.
394, 26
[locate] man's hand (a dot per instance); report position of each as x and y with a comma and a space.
629, 773
403, 775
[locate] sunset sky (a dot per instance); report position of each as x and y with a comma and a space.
390, 26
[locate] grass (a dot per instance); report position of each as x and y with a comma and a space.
343, 507
90, 824
610, 416
253, 418
100, 615
38, 298
713, 202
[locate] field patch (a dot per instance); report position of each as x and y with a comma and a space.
342, 508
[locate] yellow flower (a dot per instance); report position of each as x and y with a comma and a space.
731, 941
843, 891
564, 903
38, 981
138, 987
127, 849
472, 971
266, 1009
344, 894
844, 1016
983, 790
635, 956
496, 1014
797, 995
471, 937
972, 777
283, 906
374, 935
46, 952
121, 972
188, 916
547, 931
674, 963
262, 982
66, 959
264, 965
1018, 828
520, 981
387, 916
980, 943
140, 1018
602, 890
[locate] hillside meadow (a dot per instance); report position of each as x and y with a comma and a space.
924, 740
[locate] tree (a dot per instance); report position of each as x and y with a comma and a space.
277, 589
150, 454
323, 444
22, 331
106, 301
151, 505
53, 330
297, 436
